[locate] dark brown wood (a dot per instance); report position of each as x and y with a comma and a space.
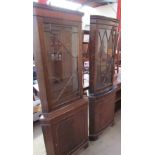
103, 32
58, 59
101, 113
66, 129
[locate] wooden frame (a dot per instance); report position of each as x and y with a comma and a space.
62, 131
99, 22
43, 58
101, 99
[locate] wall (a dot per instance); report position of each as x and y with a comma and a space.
109, 10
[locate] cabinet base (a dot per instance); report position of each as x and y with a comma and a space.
83, 146
94, 137
101, 113
65, 130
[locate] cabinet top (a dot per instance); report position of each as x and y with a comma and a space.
53, 8
104, 18
95, 19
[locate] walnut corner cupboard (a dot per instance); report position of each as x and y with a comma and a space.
102, 45
58, 57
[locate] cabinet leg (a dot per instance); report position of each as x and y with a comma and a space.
112, 123
93, 138
86, 145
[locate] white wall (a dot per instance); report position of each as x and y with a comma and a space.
109, 10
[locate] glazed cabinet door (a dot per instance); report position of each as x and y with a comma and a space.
60, 47
103, 34
105, 50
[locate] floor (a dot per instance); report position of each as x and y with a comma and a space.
109, 143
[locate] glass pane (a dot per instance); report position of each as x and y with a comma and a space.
62, 48
104, 60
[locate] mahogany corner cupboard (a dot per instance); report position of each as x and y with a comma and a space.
102, 45
58, 57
